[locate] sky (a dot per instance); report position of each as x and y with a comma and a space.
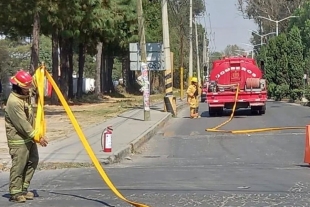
228, 25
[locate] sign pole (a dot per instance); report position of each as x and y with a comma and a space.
138, 61
144, 65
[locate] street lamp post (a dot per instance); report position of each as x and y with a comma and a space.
277, 21
262, 36
252, 45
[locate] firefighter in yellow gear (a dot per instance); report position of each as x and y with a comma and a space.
20, 133
192, 98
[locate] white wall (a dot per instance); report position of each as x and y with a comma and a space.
88, 85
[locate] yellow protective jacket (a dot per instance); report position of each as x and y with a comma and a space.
19, 120
191, 98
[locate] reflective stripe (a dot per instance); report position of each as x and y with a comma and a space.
20, 141
25, 186
32, 134
16, 191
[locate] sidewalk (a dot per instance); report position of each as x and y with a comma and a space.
130, 131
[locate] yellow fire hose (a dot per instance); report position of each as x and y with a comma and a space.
245, 131
40, 126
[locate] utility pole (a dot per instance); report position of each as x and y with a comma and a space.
197, 53
190, 67
169, 99
145, 74
204, 55
166, 43
181, 62
208, 57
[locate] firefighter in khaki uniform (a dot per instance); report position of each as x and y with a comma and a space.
192, 93
19, 125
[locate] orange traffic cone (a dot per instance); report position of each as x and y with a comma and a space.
307, 145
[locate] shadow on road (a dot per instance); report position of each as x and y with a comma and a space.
307, 166
240, 113
7, 195
84, 198
275, 106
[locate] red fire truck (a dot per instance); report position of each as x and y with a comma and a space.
226, 76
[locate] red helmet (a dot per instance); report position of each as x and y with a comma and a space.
22, 79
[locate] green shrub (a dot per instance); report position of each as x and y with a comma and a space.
271, 89
296, 94
281, 91
307, 93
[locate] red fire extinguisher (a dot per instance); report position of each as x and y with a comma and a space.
106, 139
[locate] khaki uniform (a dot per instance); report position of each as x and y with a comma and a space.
19, 122
192, 99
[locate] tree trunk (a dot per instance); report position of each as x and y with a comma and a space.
82, 51
98, 66
64, 66
125, 72
161, 78
70, 72
55, 63
130, 79
34, 62
104, 81
102, 75
110, 64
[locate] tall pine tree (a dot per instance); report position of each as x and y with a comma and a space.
295, 56
282, 73
270, 66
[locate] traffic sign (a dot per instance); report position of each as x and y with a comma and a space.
155, 56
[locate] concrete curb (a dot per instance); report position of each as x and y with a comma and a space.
141, 140
302, 104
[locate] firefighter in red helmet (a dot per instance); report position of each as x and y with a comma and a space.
20, 133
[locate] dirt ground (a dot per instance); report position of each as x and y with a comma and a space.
59, 125
87, 114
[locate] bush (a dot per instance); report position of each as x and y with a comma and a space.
296, 94
307, 93
271, 89
281, 91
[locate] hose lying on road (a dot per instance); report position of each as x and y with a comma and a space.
40, 127
245, 131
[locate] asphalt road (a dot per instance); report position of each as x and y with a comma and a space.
185, 166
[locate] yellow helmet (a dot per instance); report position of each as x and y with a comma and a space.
194, 79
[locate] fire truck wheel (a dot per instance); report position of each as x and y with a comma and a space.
254, 112
220, 111
212, 112
262, 110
